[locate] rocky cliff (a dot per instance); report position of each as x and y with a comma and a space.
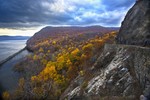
122, 71
135, 29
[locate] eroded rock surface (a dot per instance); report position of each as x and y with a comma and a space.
126, 75
135, 28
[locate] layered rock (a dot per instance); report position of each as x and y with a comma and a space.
125, 75
135, 29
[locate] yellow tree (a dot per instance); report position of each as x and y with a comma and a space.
87, 50
6, 95
41, 49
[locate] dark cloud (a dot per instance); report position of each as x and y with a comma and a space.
29, 13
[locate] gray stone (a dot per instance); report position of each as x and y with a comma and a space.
135, 29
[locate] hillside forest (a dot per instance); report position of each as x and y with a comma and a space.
55, 62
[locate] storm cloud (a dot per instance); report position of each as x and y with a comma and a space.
31, 13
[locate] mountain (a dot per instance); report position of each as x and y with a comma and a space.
59, 32
5, 37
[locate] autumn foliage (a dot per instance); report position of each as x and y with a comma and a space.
56, 63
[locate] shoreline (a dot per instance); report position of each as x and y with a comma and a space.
13, 55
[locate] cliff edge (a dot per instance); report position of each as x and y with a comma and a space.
122, 71
135, 29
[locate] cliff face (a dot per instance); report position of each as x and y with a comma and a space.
125, 74
135, 29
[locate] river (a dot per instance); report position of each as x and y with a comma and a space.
9, 78
9, 47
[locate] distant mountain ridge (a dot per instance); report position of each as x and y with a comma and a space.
69, 31
6, 37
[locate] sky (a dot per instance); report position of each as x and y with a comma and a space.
25, 17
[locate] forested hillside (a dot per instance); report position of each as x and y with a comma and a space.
57, 59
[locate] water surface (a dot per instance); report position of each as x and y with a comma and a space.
9, 47
9, 78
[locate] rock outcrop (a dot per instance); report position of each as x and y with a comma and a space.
135, 29
126, 74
